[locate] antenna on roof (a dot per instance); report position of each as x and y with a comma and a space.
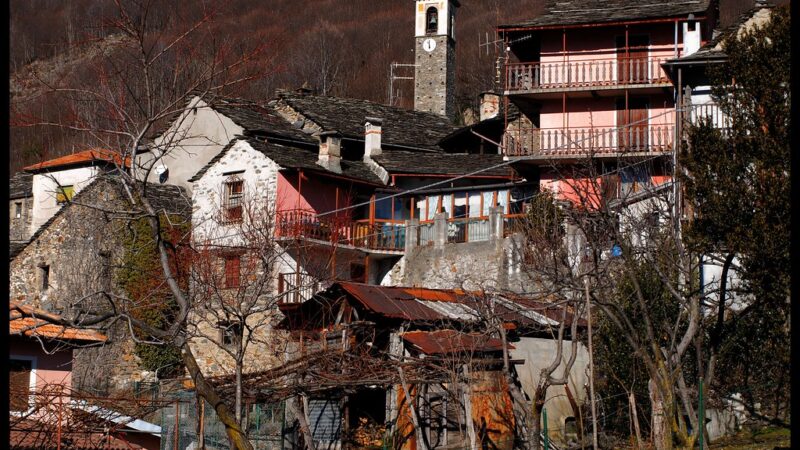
394, 75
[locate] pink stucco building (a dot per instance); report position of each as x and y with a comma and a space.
587, 80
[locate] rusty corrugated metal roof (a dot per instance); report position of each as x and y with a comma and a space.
442, 342
424, 305
86, 156
32, 322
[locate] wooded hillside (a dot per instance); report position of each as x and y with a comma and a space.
334, 47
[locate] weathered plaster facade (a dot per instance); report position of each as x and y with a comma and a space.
193, 139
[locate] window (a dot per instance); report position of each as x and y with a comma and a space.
358, 272
230, 333
232, 202
20, 379
64, 194
432, 20
18, 210
45, 273
232, 271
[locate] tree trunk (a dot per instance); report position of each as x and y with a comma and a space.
237, 438
239, 392
294, 405
662, 436
536, 428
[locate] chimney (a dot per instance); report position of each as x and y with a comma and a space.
691, 36
330, 150
489, 105
372, 137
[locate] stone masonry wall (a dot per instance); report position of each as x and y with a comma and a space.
19, 229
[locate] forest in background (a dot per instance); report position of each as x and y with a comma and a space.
334, 47
339, 48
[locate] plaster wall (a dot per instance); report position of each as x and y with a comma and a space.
195, 137
45, 187
538, 353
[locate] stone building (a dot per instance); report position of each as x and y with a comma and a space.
69, 263
435, 57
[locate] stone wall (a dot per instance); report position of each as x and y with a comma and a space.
19, 229
434, 79
79, 248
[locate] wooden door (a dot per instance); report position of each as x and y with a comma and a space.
632, 65
632, 123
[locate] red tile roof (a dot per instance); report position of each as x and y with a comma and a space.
444, 342
26, 321
84, 157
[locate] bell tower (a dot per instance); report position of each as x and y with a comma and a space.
435, 57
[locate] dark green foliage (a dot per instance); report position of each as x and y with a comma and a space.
140, 276
621, 369
738, 183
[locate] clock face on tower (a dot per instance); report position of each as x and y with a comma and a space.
428, 45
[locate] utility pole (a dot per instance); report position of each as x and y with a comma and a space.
591, 364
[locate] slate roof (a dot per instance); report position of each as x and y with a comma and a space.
163, 198
14, 248
20, 185
255, 118
399, 161
578, 12
401, 127
294, 157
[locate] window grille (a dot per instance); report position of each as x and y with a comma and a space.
232, 202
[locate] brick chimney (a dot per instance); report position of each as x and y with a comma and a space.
330, 150
372, 137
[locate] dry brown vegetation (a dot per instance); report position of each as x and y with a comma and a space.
341, 48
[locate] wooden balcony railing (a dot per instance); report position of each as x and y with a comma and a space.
589, 141
296, 287
610, 71
376, 235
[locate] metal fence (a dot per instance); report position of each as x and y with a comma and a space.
181, 427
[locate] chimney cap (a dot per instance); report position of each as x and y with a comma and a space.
373, 120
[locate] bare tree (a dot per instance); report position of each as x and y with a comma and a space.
144, 83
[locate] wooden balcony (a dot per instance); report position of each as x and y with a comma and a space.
463, 229
377, 235
585, 141
295, 288
585, 75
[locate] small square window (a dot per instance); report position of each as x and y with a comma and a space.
229, 333
18, 210
64, 194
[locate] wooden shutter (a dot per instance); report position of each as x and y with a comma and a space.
232, 271
19, 378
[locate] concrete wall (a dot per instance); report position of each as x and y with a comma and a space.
19, 228
195, 137
45, 187
538, 353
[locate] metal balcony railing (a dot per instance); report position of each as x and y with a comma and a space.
604, 72
585, 141
709, 111
339, 230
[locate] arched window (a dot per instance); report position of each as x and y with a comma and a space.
432, 20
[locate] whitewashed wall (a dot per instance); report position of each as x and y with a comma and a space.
189, 144
45, 187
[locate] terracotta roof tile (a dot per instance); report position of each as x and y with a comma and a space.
32, 322
84, 157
